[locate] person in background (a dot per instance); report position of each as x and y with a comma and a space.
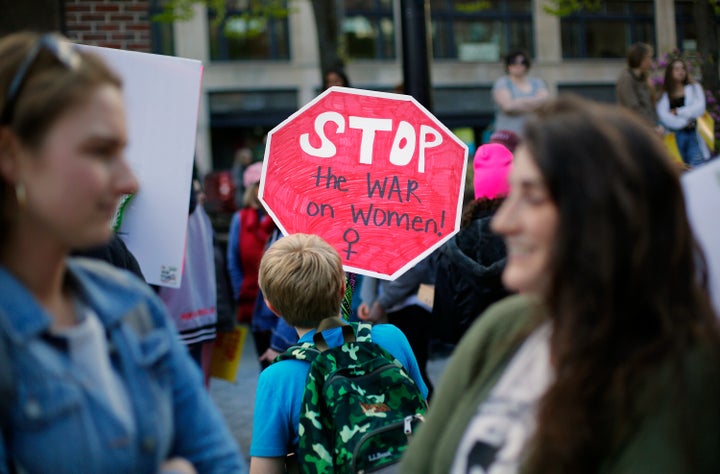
633, 88
193, 306
250, 229
338, 77
243, 159
399, 303
506, 138
682, 103
100, 381
470, 264
516, 94
609, 359
335, 77
271, 334
114, 252
303, 281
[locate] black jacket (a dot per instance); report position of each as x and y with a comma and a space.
116, 253
468, 275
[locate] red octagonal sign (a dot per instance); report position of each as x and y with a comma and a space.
375, 174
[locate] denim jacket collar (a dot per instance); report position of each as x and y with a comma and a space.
25, 318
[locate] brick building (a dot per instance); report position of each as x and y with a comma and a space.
112, 24
253, 82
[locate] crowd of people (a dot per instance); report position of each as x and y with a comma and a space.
574, 295
674, 110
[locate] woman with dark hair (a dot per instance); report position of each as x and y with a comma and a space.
609, 359
682, 103
99, 381
470, 264
633, 88
335, 77
517, 93
251, 229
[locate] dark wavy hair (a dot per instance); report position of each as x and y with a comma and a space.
626, 289
341, 73
669, 81
513, 54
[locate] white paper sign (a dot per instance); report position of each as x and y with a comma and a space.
702, 195
162, 94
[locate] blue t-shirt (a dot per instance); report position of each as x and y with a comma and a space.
281, 386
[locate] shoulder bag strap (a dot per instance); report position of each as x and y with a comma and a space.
330, 323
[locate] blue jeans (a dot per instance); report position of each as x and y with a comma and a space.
687, 143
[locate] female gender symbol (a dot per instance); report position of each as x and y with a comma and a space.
350, 243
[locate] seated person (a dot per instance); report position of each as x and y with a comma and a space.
303, 282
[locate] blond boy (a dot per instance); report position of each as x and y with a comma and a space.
303, 281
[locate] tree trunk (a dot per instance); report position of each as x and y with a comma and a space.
35, 15
326, 22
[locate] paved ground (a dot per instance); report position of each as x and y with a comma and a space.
237, 400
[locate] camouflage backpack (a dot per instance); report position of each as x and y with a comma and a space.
360, 406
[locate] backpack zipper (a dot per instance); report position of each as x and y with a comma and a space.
338, 373
407, 429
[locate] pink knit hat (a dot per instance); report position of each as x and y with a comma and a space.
252, 174
491, 164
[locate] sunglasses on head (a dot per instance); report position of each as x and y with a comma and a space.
63, 51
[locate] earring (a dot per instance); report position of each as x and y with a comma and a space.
20, 196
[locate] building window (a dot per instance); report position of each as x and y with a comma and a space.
368, 29
242, 118
598, 92
240, 36
480, 31
466, 30
161, 32
608, 31
686, 28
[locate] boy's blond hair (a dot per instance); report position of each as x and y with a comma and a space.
301, 275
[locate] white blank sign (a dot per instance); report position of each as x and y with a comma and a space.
161, 98
702, 195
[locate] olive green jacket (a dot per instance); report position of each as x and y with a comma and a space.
672, 426
634, 93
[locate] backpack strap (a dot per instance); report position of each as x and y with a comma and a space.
364, 332
305, 351
330, 323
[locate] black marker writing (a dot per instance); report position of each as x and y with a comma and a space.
346, 237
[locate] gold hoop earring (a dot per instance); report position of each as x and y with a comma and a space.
20, 195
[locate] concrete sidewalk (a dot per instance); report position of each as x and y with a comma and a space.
237, 400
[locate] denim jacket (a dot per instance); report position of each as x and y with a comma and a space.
57, 425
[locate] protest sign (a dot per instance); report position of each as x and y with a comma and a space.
702, 198
375, 174
161, 94
227, 353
